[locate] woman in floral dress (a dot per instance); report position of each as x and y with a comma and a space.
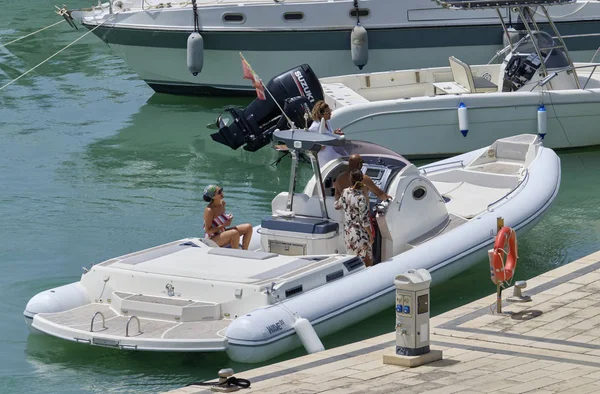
357, 226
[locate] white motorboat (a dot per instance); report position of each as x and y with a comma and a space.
191, 296
441, 111
151, 36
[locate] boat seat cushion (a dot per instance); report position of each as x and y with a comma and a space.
306, 206
462, 74
469, 200
300, 225
483, 85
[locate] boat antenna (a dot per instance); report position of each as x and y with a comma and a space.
253, 76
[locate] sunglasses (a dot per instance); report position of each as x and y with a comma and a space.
220, 191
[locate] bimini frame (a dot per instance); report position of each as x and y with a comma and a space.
527, 16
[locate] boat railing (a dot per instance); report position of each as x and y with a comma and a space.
450, 164
525, 178
94, 317
553, 74
395, 112
508, 48
127, 325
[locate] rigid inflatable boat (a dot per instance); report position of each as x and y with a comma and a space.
190, 295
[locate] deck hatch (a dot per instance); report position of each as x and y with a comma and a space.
281, 271
151, 254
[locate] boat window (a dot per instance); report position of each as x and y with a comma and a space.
293, 16
364, 148
419, 193
231, 17
293, 291
373, 172
541, 39
353, 264
334, 275
554, 57
362, 13
557, 59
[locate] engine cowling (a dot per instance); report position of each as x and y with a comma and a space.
295, 91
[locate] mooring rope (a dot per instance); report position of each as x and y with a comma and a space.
30, 34
44, 61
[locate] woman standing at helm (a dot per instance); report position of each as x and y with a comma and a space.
358, 233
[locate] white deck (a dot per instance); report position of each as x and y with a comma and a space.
214, 264
75, 325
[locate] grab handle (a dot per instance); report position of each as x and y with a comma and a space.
127, 326
93, 318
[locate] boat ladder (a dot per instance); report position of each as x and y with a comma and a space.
126, 326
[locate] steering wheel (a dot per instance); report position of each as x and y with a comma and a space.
513, 66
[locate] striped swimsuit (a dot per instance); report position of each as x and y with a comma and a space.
218, 221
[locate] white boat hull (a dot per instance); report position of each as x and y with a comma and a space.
428, 126
165, 70
419, 33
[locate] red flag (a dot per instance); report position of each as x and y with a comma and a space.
251, 75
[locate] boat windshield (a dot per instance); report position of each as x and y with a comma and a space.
364, 148
553, 57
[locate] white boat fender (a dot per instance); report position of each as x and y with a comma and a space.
307, 335
463, 119
542, 121
195, 53
359, 46
195, 46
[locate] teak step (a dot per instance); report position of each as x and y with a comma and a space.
165, 308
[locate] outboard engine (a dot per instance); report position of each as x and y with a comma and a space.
295, 91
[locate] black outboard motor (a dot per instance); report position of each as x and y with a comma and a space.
296, 91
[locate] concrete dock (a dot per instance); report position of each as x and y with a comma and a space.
548, 345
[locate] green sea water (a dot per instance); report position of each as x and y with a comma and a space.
94, 165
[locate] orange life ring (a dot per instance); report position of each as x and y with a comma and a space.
503, 261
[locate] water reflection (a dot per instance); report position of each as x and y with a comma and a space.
166, 145
144, 371
96, 165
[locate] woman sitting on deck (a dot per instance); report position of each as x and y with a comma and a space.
216, 221
321, 113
